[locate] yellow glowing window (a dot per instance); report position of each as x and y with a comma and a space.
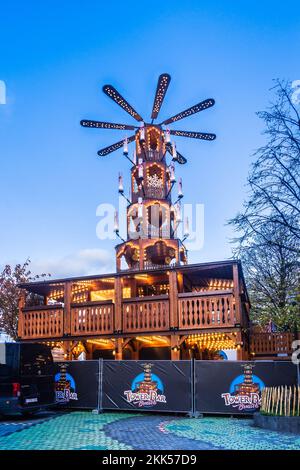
105, 294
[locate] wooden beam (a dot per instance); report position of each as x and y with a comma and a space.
119, 349
21, 305
67, 307
118, 304
175, 350
237, 294
173, 299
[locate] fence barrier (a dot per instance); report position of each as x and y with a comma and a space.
193, 387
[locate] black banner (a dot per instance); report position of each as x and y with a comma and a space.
78, 384
234, 387
147, 385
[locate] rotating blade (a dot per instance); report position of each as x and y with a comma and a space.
194, 135
161, 89
106, 125
112, 93
111, 148
193, 110
179, 158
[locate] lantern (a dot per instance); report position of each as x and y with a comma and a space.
142, 132
174, 152
121, 187
186, 228
116, 222
125, 146
140, 207
172, 174
140, 169
167, 136
178, 212
180, 193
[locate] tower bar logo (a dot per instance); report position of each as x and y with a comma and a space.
245, 391
65, 387
146, 389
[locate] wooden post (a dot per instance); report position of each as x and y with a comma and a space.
175, 350
173, 299
180, 282
21, 305
236, 292
89, 348
119, 349
67, 307
118, 304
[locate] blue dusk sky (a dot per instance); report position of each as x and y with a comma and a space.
54, 59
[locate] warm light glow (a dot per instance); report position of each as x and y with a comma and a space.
104, 294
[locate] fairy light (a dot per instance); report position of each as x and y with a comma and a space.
213, 341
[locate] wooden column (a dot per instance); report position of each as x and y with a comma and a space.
173, 299
119, 349
180, 282
241, 352
21, 305
67, 307
89, 348
118, 304
236, 292
175, 353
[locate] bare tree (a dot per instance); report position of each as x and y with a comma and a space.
274, 180
10, 278
272, 276
268, 241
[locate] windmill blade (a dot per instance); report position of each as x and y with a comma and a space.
161, 89
106, 125
113, 147
194, 135
193, 110
179, 158
112, 93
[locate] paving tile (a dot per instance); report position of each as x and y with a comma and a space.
82, 430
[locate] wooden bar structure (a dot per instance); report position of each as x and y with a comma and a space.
168, 309
156, 305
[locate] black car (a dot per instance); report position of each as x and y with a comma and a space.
26, 378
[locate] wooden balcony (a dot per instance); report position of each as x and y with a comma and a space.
92, 318
142, 315
198, 311
189, 311
41, 322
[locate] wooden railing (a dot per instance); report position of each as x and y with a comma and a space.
203, 311
146, 314
89, 319
271, 343
191, 311
41, 322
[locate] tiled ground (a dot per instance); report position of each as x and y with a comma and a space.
84, 430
